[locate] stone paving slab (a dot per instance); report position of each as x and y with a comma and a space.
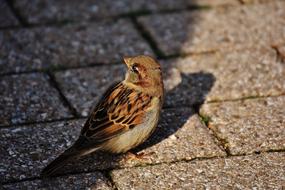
41, 142
248, 126
84, 87
7, 18
237, 27
93, 181
224, 76
265, 171
180, 136
69, 46
51, 10
29, 98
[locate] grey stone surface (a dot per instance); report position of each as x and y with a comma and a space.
265, 171
37, 11
180, 136
84, 87
248, 126
237, 27
224, 76
92, 181
29, 98
7, 18
69, 45
25, 150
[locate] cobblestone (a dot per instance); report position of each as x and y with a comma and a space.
248, 126
84, 87
29, 98
69, 46
224, 76
216, 29
7, 18
265, 171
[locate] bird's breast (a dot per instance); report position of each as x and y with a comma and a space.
137, 135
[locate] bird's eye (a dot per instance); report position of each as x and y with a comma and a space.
135, 68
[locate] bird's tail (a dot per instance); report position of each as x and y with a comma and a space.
71, 154
59, 162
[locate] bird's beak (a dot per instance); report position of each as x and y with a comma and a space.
127, 60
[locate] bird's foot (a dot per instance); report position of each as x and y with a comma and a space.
137, 156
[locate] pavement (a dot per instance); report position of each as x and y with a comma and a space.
223, 120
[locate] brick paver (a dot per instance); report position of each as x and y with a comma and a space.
204, 31
29, 98
70, 45
82, 181
25, 150
225, 76
265, 171
7, 18
84, 87
249, 126
43, 11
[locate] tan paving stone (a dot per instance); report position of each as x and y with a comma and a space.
248, 126
29, 98
70, 45
265, 171
257, 1
185, 140
180, 136
92, 181
36, 11
7, 18
224, 76
237, 27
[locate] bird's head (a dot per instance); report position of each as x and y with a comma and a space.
144, 74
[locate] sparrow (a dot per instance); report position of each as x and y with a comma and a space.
124, 117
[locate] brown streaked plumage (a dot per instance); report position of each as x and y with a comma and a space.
125, 116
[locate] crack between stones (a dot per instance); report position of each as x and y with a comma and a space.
145, 34
220, 142
65, 101
244, 98
280, 58
108, 176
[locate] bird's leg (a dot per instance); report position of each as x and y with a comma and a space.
137, 156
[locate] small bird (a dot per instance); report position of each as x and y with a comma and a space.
125, 116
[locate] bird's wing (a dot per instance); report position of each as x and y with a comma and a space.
119, 110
